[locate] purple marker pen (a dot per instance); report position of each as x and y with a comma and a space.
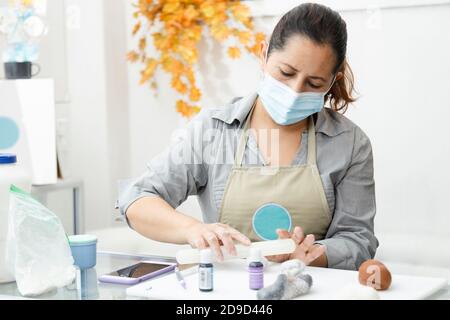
255, 270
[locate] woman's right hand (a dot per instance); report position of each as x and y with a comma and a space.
202, 236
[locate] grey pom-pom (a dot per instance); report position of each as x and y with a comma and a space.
299, 286
275, 291
307, 278
285, 288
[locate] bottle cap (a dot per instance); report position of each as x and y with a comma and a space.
255, 255
205, 256
8, 158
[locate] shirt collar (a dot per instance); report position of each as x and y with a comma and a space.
238, 109
328, 121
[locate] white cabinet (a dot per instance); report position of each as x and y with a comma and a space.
30, 103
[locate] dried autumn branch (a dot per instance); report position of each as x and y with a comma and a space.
175, 28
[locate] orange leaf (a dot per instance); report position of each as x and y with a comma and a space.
149, 70
136, 28
207, 9
171, 7
144, 78
191, 13
151, 66
195, 94
142, 44
240, 12
188, 54
186, 110
158, 40
254, 49
244, 36
190, 76
260, 36
178, 85
220, 31
248, 23
234, 52
132, 56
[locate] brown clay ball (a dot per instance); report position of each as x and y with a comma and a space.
373, 273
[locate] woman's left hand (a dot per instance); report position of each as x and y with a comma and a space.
306, 250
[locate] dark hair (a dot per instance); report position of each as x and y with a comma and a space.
323, 26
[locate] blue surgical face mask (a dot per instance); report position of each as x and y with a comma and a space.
284, 105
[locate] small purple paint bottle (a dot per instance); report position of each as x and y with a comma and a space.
255, 270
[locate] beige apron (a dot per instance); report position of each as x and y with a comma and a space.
298, 188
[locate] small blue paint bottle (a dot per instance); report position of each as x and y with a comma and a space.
255, 270
205, 271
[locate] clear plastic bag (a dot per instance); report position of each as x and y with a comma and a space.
37, 251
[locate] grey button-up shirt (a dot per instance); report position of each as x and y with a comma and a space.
199, 160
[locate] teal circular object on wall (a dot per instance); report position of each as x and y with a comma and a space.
270, 217
9, 133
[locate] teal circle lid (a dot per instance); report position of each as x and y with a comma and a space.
270, 217
82, 239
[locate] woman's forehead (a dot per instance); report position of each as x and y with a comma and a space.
306, 56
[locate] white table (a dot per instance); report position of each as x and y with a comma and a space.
231, 283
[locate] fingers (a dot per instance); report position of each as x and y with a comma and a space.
298, 235
198, 243
316, 252
225, 236
278, 258
214, 244
239, 236
214, 236
311, 252
282, 234
307, 243
236, 235
306, 250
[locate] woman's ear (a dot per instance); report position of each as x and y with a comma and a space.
262, 54
339, 76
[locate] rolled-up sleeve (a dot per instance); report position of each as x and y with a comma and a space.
173, 175
350, 239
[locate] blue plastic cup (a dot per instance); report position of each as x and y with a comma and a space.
84, 250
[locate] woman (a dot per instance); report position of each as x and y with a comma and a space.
323, 162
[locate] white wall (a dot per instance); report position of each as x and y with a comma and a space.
88, 117
400, 59
98, 107
116, 75
401, 68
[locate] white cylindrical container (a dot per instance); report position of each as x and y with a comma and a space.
11, 173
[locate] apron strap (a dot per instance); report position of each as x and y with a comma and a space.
243, 140
245, 133
311, 142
